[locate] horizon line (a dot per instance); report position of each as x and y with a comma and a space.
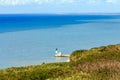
86, 13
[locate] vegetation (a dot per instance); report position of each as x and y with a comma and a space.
102, 63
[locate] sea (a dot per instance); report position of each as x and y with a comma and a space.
31, 39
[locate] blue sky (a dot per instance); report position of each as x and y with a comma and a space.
59, 6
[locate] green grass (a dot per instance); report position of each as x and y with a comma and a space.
102, 63
39, 72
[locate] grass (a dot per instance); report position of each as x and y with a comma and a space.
102, 63
39, 72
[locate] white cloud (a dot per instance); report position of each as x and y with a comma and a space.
24, 2
14, 2
111, 1
103, 1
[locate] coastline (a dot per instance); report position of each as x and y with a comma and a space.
37, 46
104, 61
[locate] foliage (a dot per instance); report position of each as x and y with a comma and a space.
39, 72
102, 63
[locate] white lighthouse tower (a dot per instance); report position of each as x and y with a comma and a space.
57, 53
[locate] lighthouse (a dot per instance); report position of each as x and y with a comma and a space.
56, 51
59, 54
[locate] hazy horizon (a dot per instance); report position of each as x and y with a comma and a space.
58, 7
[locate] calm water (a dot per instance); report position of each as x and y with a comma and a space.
32, 39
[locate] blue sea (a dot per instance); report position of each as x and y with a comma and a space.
29, 39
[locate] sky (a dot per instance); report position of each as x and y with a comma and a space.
59, 6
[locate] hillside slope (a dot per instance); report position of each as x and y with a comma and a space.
101, 63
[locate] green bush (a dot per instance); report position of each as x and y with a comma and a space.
102, 63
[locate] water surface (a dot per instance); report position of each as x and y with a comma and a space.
32, 39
